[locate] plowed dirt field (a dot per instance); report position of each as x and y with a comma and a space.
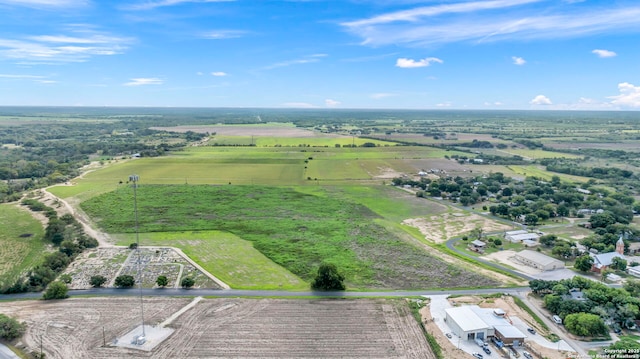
226, 328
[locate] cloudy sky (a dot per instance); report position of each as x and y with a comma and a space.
405, 54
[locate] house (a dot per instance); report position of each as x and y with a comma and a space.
603, 260
538, 260
634, 271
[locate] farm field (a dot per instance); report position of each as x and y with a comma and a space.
295, 230
224, 328
21, 242
536, 171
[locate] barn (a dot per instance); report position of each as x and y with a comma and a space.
538, 260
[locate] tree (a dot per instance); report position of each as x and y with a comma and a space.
328, 278
56, 290
583, 263
619, 263
125, 281
162, 281
548, 240
585, 324
97, 281
10, 328
187, 282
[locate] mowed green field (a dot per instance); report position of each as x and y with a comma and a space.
536, 171
21, 242
252, 165
297, 230
232, 259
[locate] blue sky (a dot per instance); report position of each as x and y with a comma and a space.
404, 54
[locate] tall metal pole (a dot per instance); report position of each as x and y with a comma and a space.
135, 179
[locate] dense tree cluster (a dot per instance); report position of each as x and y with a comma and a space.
617, 306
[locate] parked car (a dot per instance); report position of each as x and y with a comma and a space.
448, 335
527, 355
477, 355
486, 350
531, 330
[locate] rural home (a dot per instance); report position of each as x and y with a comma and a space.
634, 271
538, 260
472, 322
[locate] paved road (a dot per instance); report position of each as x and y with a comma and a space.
180, 292
6, 353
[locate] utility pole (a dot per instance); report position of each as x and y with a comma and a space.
135, 179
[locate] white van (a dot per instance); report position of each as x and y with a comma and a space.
557, 319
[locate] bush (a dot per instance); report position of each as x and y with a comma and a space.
133, 245
97, 281
162, 281
56, 290
65, 278
10, 328
187, 282
125, 281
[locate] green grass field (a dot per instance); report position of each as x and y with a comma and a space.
537, 154
535, 171
21, 242
293, 229
232, 259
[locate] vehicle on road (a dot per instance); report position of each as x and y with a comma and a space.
531, 330
448, 335
527, 355
557, 319
486, 350
477, 355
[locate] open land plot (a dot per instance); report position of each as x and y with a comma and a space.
21, 242
537, 154
540, 172
272, 129
233, 260
442, 227
632, 146
226, 328
294, 229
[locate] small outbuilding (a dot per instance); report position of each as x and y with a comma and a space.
517, 238
509, 335
538, 260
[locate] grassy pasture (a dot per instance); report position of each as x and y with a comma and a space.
232, 259
295, 230
17, 253
535, 171
537, 154
252, 165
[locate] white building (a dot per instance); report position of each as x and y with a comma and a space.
538, 260
517, 238
471, 322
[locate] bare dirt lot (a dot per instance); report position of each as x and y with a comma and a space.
442, 227
224, 328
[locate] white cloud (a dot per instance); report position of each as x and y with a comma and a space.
219, 74
331, 103
478, 21
304, 60
604, 53
199, 73
518, 60
298, 105
54, 49
444, 104
410, 63
20, 77
541, 100
148, 5
497, 103
629, 95
381, 95
223, 34
140, 81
